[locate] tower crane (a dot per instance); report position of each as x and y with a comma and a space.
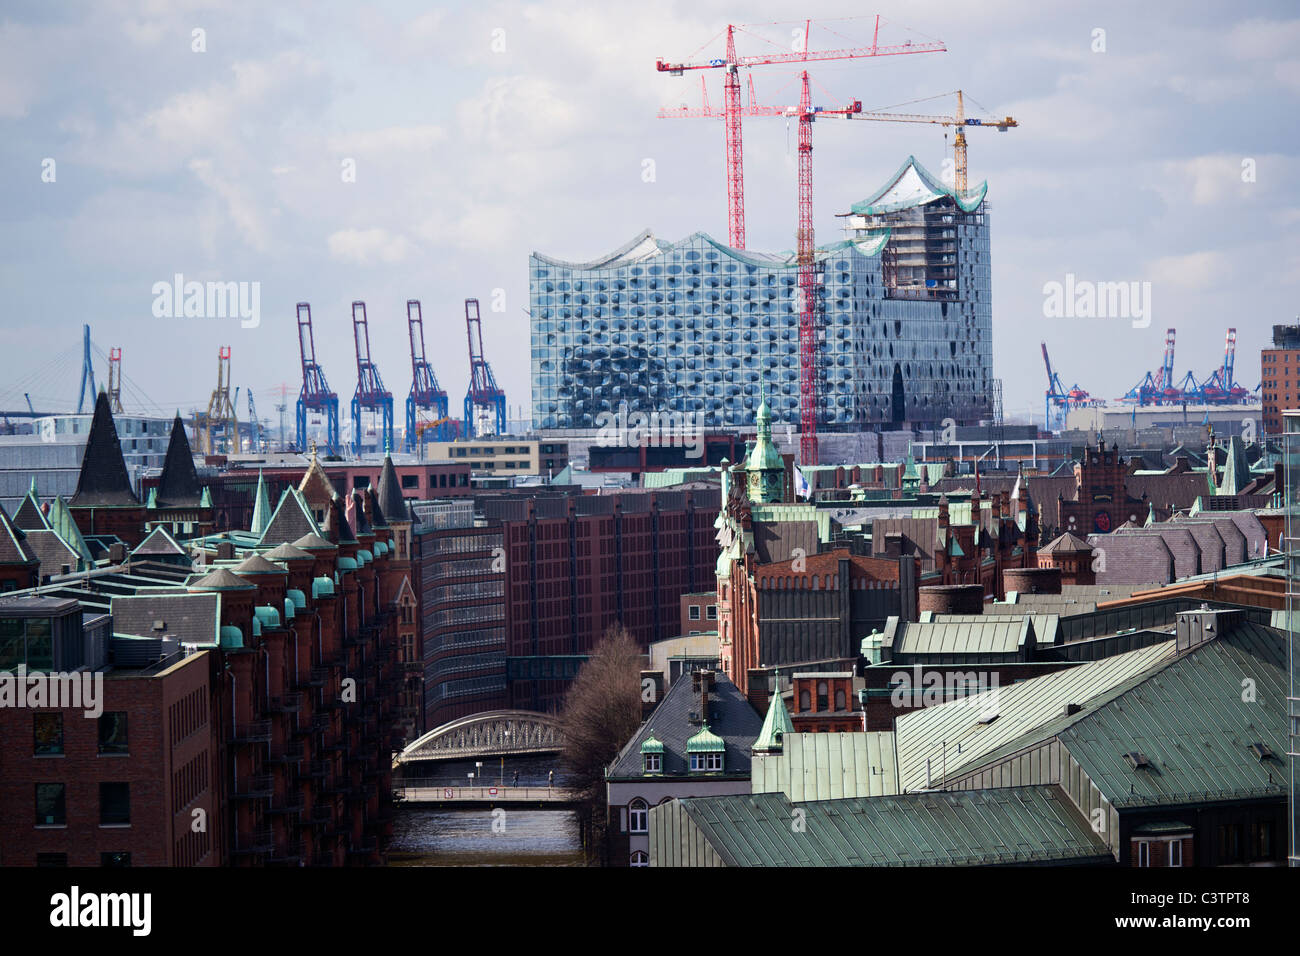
960, 120
315, 395
732, 63
1058, 396
254, 426
370, 393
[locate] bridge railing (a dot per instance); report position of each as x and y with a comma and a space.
454, 792
484, 782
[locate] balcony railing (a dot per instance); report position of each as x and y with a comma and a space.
257, 841
287, 704
253, 732
257, 787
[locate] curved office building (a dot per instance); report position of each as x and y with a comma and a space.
694, 326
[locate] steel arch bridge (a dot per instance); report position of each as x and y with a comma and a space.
495, 733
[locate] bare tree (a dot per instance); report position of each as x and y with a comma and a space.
602, 711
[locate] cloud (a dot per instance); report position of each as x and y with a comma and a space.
1191, 272
363, 246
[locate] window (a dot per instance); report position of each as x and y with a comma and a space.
712, 612
840, 700
823, 698
706, 762
805, 701
654, 763
114, 804
112, 733
51, 859
640, 859
410, 481
118, 859
1144, 853
1176, 853
1230, 848
1261, 840
50, 810
47, 731
638, 816
693, 612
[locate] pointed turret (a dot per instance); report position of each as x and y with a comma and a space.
775, 725
315, 486
103, 482
261, 507
763, 463
179, 483
391, 502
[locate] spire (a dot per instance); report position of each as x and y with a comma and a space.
390, 492
103, 482
261, 506
179, 482
775, 725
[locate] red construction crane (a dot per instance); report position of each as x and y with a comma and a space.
732, 111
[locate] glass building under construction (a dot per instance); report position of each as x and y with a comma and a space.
694, 326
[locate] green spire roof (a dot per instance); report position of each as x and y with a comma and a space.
764, 456
261, 507
706, 741
775, 725
652, 746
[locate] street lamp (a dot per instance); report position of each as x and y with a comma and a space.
478, 769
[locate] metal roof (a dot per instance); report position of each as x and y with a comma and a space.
944, 637
1189, 719
956, 735
1012, 825
829, 767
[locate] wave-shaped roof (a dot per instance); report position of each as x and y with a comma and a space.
914, 185
645, 246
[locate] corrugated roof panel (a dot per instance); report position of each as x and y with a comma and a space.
1021, 708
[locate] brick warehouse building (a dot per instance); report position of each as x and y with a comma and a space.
296, 626
121, 787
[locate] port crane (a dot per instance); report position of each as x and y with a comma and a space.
1058, 397
315, 395
485, 402
425, 392
370, 394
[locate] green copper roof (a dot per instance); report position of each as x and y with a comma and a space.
706, 741
652, 746
775, 725
65, 526
261, 507
231, 636
764, 456
205, 500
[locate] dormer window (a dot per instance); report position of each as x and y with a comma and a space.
652, 755
706, 751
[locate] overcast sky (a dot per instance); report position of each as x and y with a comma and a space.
480, 132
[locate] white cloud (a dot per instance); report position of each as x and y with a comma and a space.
363, 246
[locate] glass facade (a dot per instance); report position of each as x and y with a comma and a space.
694, 326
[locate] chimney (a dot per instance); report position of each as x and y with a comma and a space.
225, 551
701, 684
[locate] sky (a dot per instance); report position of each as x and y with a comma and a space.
331, 152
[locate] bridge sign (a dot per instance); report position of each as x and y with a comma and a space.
446, 793
492, 791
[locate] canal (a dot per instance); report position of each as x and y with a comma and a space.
426, 836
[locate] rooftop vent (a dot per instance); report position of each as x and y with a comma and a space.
1263, 751
1137, 760
160, 625
1072, 709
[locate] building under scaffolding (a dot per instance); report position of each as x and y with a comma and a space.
692, 326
